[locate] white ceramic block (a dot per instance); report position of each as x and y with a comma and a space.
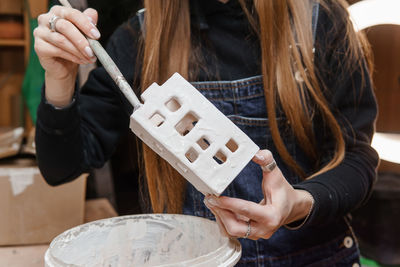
188, 131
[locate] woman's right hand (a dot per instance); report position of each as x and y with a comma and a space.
61, 51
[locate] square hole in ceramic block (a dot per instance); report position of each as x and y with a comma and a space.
232, 145
185, 125
204, 143
157, 119
173, 104
192, 155
220, 157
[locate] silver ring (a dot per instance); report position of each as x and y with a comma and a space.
269, 167
248, 229
52, 23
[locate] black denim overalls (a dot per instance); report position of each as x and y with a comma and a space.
326, 245
332, 244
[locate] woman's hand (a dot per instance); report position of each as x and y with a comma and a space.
282, 204
61, 51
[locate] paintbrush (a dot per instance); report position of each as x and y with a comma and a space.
111, 68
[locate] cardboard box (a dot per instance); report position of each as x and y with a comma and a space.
31, 211
32, 256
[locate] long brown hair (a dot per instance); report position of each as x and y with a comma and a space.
167, 49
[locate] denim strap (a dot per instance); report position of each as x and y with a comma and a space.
140, 15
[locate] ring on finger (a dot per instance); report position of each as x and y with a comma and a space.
248, 232
52, 23
269, 167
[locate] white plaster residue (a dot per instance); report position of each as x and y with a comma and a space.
118, 245
20, 178
144, 240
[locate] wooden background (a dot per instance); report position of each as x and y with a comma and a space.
13, 59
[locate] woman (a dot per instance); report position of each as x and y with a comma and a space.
291, 74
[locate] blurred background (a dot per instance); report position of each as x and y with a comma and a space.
112, 190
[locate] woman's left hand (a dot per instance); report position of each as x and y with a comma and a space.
282, 204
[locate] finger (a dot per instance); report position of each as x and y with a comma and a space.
219, 223
267, 215
218, 220
266, 161
264, 228
60, 41
79, 19
258, 230
233, 226
47, 50
92, 15
238, 206
70, 32
239, 228
242, 217
263, 157
43, 20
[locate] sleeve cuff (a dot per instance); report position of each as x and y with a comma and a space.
300, 223
57, 120
58, 108
315, 189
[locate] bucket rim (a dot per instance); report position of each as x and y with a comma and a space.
231, 259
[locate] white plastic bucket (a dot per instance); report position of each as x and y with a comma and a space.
144, 240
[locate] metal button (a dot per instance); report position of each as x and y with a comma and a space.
356, 265
348, 242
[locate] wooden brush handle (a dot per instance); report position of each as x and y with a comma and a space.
111, 68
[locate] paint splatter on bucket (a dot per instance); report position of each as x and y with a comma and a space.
144, 240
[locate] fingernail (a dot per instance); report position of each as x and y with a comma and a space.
89, 51
93, 59
91, 21
259, 157
211, 201
95, 33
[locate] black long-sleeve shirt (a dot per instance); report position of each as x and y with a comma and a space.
84, 135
